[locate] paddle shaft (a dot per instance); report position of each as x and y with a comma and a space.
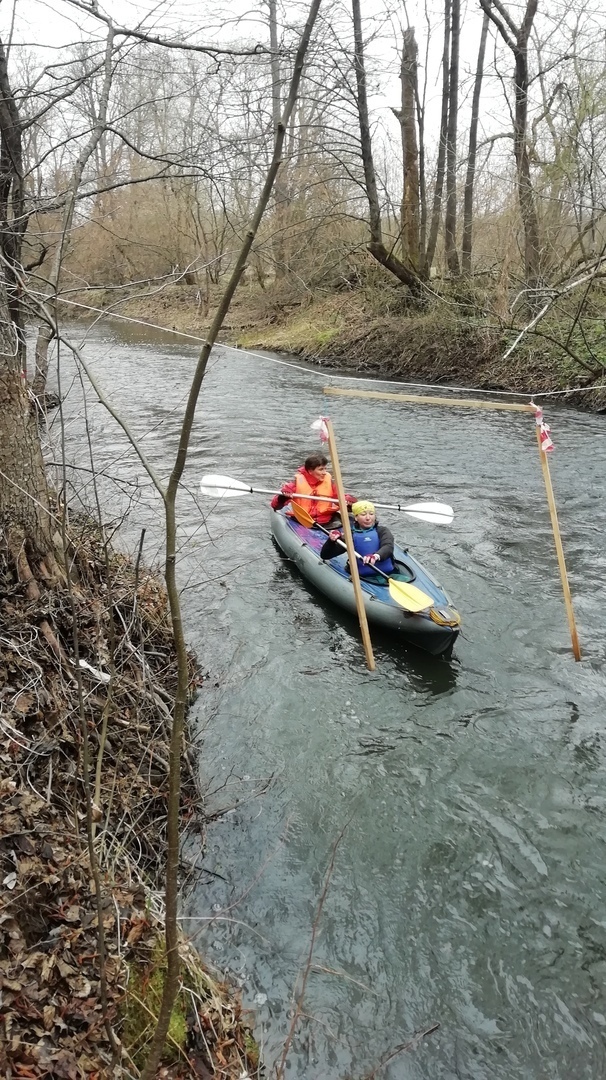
351, 551
356, 553
324, 498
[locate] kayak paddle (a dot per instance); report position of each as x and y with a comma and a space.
225, 487
407, 596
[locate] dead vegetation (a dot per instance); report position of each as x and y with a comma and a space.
455, 340
63, 1011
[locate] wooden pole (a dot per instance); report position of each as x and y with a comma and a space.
559, 549
419, 399
505, 407
353, 562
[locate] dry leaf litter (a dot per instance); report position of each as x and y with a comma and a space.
51, 1016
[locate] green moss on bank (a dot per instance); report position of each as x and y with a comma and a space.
202, 1005
378, 329
142, 1006
440, 344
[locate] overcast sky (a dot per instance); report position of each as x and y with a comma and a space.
50, 24
55, 22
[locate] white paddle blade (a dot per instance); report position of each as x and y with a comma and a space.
222, 487
437, 513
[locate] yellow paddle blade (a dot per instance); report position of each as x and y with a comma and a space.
404, 594
408, 596
302, 516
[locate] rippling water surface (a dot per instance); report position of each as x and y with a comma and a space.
469, 881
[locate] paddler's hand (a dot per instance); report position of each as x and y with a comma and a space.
334, 535
369, 560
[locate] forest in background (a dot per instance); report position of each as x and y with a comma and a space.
444, 180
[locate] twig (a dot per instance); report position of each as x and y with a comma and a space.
314, 930
139, 560
401, 1049
550, 302
343, 975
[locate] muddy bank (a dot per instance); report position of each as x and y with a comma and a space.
379, 333
81, 961
433, 348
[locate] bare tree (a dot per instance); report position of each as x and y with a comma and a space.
450, 216
280, 195
466, 245
516, 38
171, 983
376, 245
13, 220
410, 212
24, 504
436, 211
45, 332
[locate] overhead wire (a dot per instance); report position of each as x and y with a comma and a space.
530, 395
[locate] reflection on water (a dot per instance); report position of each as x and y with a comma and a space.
468, 887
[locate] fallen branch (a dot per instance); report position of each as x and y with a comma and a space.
556, 294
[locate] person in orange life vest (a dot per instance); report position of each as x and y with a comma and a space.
372, 541
314, 479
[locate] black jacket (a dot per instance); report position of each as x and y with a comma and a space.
331, 548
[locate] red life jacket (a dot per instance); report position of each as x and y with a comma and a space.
320, 509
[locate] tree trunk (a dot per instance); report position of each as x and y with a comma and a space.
528, 211
13, 220
43, 340
466, 245
24, 508
420, 106
440, 165
410, 213
516, 38
450, 217
280, 195
376, 246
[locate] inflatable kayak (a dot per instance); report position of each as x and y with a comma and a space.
434, 629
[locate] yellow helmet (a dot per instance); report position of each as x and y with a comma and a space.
362, 507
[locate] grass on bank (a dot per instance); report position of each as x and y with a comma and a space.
202, 1005
459, 335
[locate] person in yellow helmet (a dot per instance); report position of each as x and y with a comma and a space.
372, 541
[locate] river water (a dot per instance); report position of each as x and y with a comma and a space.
462, 802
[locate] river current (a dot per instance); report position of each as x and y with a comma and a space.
462, 802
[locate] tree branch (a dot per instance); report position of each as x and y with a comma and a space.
153, 39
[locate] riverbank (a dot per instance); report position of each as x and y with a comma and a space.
81, 958
444, 767
377, 332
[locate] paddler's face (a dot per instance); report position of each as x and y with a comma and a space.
366, 520
319, 472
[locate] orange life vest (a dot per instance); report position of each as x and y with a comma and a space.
318, 508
